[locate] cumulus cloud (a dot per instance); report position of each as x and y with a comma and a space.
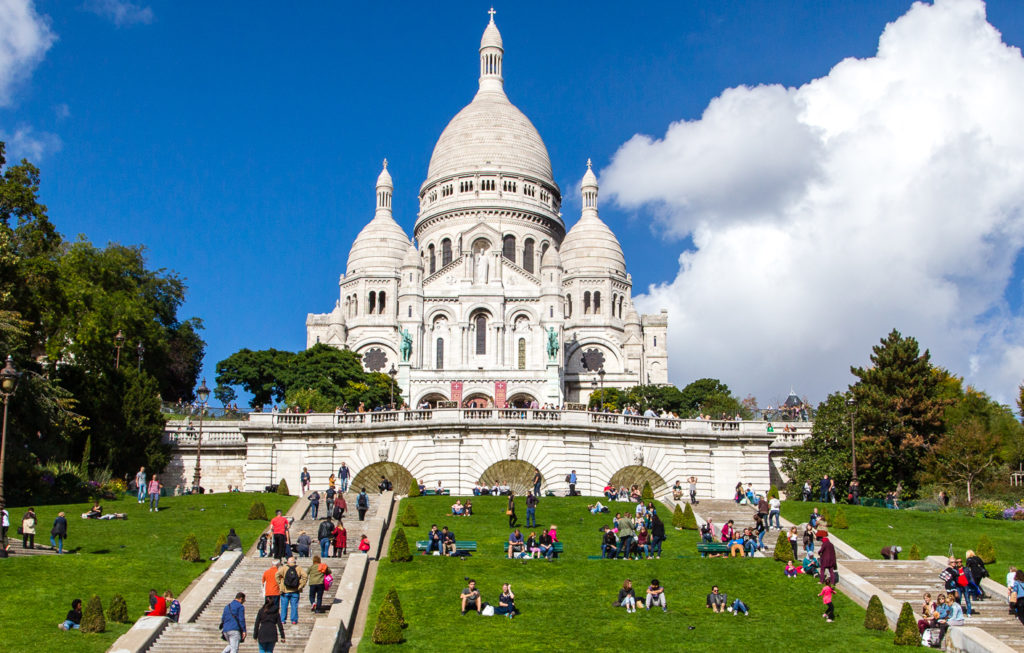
121, 12
889, 193
25, 36
26, 143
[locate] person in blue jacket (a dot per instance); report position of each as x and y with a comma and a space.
233, 623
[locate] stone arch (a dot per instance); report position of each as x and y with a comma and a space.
369, 476
478, 399
431, 396
521, 398
518, 474
638, 475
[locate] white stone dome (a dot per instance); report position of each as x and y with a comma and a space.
412, 258
591, 246
381, 245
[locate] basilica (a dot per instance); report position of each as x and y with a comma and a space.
493, 303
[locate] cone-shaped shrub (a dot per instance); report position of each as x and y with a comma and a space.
409, 516
118, 610
282, 487
392, 598
783, 551
222, 539
985, 550
689, 519
840, 519
258, 511
389, 628
677, 516
914, 553
826, 515
414, 488
647, 494
92, 616
906, 628
190, 549
773, 492
874, 618
399, 551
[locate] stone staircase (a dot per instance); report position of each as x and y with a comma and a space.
202, 634
42, 546
909, 580
719, 511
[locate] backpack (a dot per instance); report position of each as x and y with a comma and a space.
291, 577
567, 478
262, 544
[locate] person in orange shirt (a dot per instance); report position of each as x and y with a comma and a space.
270, 587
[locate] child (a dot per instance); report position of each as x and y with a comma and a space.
261, 546
173, 607
826, 598
364, 544
74, 619
791, 570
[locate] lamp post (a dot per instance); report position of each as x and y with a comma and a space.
392, 373
203, 393
853, 440
8, 384
593, 391
118, 341
600, 374
140, 349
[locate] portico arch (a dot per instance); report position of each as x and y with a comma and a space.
478, 400
431, 398
517, 474
521, 399
369, 477
638, 475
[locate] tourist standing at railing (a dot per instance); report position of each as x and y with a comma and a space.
343, 475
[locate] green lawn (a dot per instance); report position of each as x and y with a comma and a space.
567, 603
113, 557
873, 528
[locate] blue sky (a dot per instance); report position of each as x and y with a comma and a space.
239, 142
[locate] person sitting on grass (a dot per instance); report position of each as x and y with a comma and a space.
810, 565
627, 597
716, 600
545, 545
95, 512
458, 509
739, 606
643, 543
447, 542
608, 543
506, 602
73, 620
468, 512
470, 597
515, 543
433, 540
791, 570
656, 595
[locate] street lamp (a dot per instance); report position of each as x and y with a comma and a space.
853, 441
392, 373
140, 349
600, 373
203, 393
593, 391
8, 384
118, 341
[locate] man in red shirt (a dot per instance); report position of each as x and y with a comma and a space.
279, 527
270, 587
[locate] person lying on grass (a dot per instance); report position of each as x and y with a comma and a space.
716, 600
470, 596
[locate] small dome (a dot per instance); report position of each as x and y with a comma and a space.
551, 258
381, 245
412, 258
590, 245
384, 179
491, 37
589, 178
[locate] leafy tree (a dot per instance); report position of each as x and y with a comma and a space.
906, 628
874, 618
92, 616
899, 413
607, 398
710, 397
399, 551
969, 454
826, 451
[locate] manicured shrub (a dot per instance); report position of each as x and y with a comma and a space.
906, 628
840, 519
874, 618
677, 516
258, 511
118, 610
222, 539
409, 516
190, 549
392, 598
282, 487
985, 550
92, 616
914, 553
773, 492
826, 515
647, 494
689, 519
783, 551
414, 488
399, 551
389, 628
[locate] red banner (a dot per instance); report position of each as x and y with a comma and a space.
457, 392
500, 392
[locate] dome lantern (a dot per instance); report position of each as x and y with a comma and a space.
491, 52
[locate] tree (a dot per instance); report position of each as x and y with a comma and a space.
689, 520
874, 618
826, 451
118, 610
399, 551
914, 553
414, 489
985, 550
969, 454
190, 549
92, 616
647, 494
906, 628
711, 397
773, 492
392, 598
840, 520
258, 511
899, 413
388, 629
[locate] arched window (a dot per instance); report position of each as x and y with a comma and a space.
522, 353
620, 306
372, 302
655, 342
528, 255
380, 302
481, 334
586, 303
508, 247
440, 354
433, 259
446, 252
597, 302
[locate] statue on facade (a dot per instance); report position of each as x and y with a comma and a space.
552, 344
638, 454
481, 267
513, 445
382, 451
406, 346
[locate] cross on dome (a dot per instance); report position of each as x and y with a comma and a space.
588, 163
492, 12
386, 163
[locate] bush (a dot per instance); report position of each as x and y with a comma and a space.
282, 487
118, 610
689, 519
906, 628
840, 519
783, 551
874, 618
392, 598
92, 616
414, 488
190, 549
773, 492
399, 551
647, 494
985, 550
914, 553
409, 516
389, 628
677, 516
826, 515
991, 509
258, 511
222, 539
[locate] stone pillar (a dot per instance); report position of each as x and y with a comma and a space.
404, 381
553, 384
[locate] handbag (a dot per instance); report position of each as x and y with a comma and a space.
508, 512
328, 581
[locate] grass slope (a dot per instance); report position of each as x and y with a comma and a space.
113, 557
873, 528
567, 603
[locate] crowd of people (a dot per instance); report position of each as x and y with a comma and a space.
630, 536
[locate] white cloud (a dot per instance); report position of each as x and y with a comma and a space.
26, 143
62, 111
25, 36
889, 193
120, 12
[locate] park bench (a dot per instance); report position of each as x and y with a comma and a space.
434, 493
704, 548
460, 545
557, 546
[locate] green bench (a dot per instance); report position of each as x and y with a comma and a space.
557, 547
434, 493
704, 548
460, 545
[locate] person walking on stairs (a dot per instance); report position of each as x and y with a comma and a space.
268, 626
271, 589
232, 622
279, 527
291, 579
362, 504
